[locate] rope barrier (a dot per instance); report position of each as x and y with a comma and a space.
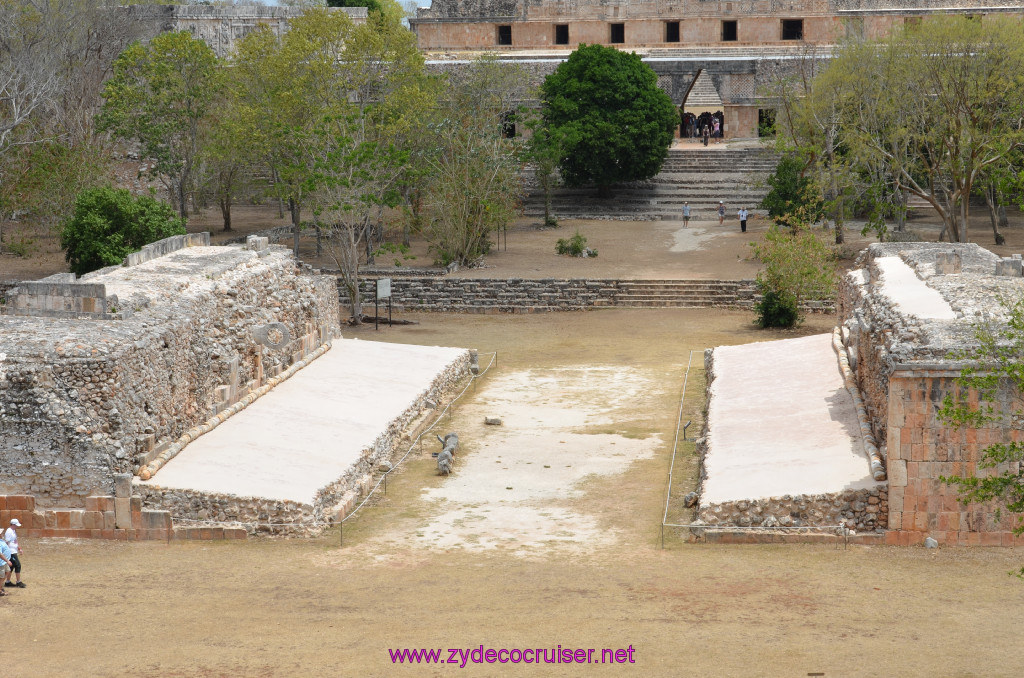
675, 447
383, 478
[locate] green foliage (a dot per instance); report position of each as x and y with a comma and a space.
791, 200
575, 246
776, 309
21, 247
157, 97
371, 5
991, 395
797, 268
108, 224
473, 184
613, 121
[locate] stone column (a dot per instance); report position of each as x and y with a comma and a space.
122, 501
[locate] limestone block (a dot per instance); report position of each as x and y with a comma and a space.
122, 513
1010, 267
897, 473
948, 263
122, 485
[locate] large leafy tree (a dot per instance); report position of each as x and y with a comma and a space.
933, 109
614, 122
473, 183
108, 224
158, 97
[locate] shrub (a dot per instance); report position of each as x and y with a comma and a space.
797, 267
108, 224
575, 246
776, 309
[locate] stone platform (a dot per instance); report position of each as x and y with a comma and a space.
783, 445
310, 440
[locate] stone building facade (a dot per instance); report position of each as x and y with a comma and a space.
738, 44
907, 313
222, 27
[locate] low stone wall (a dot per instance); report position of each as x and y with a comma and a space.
860, 510
518, 295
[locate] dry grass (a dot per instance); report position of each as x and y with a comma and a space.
269, 608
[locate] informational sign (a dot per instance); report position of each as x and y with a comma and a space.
383, 288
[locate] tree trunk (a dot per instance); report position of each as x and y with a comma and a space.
319, 240
993, 213
225, 210
901, 212
182, 203
295, 210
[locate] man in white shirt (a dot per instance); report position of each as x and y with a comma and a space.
11, 539
743, 220
686, 214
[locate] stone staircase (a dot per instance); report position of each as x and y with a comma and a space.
702, 177
680, 294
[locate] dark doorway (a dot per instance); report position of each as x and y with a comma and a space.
618, 33
766, 122
671, 31
504, 35
729, 31
792, 29
561, 34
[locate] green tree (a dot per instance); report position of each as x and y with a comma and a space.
991, 395
108, 224
615, 123
158, 97
473, 183
291, 83
936, 106
797, 267
371, 5
792, 199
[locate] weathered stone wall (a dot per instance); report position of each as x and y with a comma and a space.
860, 510
487, 295
222, 27
905, 367
473, 24
80, 398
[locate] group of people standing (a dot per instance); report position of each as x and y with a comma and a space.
703, 127
742, 214
10, 552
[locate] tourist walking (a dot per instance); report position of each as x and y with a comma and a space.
11, 540
743, 220
721, 212
5, 556
686, 214
717, 130
706, 134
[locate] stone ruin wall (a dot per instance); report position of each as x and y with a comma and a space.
84, 399
222, 27
905, 367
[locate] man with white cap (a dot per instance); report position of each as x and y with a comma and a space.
11, 539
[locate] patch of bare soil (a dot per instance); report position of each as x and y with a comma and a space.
307, 607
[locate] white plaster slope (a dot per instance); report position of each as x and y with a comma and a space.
781, 422
910, 295
311, 428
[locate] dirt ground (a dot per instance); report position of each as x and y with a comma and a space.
436, 565
638, 250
